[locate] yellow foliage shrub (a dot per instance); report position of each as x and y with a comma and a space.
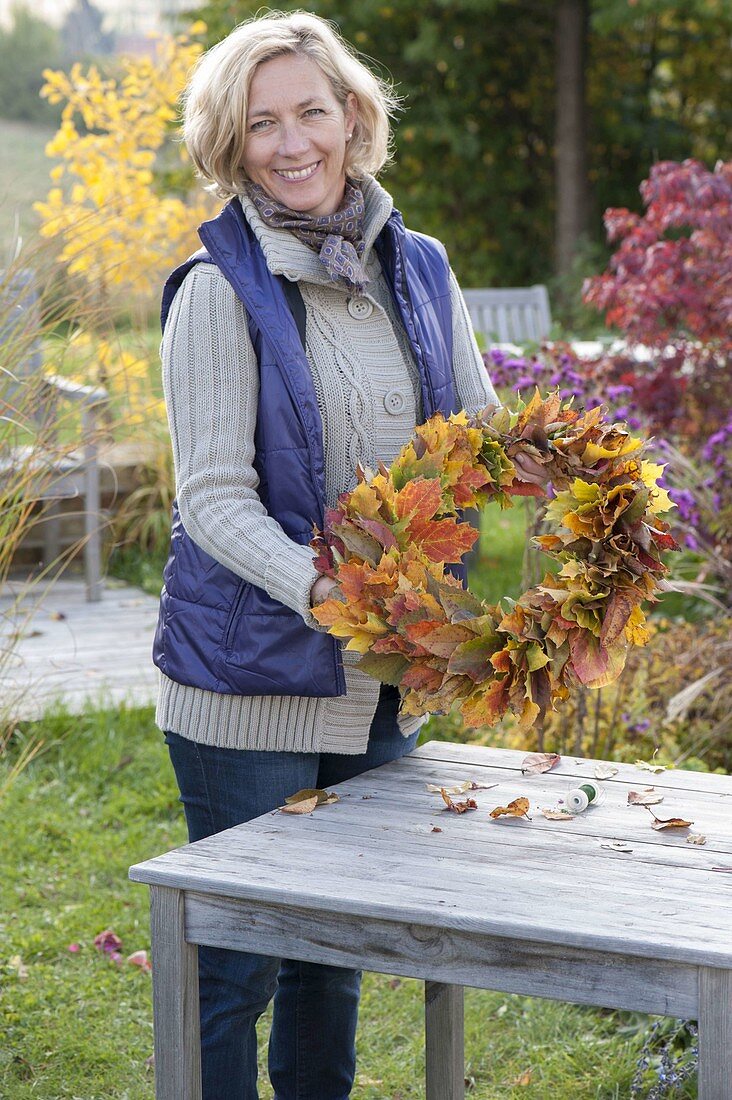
116, 229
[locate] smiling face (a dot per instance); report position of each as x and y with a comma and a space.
296, 133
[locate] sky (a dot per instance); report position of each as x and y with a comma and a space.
130, 16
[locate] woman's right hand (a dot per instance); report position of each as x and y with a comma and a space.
321, 590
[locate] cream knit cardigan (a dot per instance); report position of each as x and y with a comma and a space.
367, 388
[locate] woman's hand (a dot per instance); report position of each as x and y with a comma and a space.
321, 590
528, 469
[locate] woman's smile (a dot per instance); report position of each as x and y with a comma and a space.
297, 174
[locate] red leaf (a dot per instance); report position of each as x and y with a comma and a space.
525, 489
420, 677
443, 540
420, 497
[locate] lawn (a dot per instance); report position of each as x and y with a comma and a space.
24, 179
76, 1025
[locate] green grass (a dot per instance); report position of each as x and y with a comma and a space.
24, 178
101, 797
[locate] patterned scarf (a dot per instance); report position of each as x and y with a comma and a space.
337, 238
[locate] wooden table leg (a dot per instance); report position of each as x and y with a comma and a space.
444, 1041
715, 1034
176, 1019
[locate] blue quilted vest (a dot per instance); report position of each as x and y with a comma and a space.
219, 632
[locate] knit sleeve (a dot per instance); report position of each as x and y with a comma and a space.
473, 384
211, 386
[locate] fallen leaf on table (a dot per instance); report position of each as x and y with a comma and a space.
646, 767
524, 1078
323, 798
647, 797
458, 807
306, 806
460, 788
537, 762
57, 616
557, 815
668, 822
436, 829
696, 838
605, 771
617, 846
518, 808
16, 963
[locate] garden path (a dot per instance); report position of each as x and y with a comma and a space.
72, 652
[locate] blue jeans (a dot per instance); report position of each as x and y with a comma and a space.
312, 1054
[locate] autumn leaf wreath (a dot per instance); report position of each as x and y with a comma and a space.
389, 542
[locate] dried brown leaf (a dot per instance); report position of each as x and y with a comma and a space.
518, 808
649, 796
458, 807
324, 798
524, 1078
16, 963
668, 822
537, 762
305, 806
605, 771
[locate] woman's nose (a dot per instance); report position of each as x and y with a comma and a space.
293, 141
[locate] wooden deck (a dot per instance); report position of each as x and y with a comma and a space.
72, 652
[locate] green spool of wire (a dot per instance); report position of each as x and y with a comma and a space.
579, 798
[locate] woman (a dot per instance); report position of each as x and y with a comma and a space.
312, 335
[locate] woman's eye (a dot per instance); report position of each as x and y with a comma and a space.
259, 125
315, 111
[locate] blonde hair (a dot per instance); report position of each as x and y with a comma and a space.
216, 99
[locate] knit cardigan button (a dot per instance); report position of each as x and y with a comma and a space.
394, 402
360, 308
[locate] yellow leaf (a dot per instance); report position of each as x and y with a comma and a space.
635, 630
518, 808
650, 472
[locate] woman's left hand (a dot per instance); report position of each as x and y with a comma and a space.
529, 469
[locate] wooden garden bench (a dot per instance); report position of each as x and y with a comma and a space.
387, 880
47, 470
510, 314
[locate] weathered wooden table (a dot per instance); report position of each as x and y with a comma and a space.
535, 907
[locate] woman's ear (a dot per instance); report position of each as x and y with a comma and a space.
351, 112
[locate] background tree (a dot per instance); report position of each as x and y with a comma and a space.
572, 185
27, 47
116, 228
82, 32
475, 147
